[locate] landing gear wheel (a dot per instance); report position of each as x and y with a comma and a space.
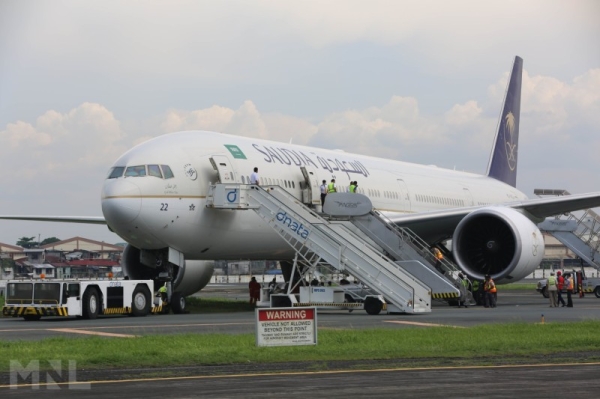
597, 292
178, 303
373, 306
32, 317
140, 302
91, 303
545, 292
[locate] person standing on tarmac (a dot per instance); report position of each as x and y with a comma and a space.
560, 283
323, 192
490, 292
254, 288
352, 187
465, 288
552, 289
570, 283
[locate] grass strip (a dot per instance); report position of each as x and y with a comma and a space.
518, 287
481, 342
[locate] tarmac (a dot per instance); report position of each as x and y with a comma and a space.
392, 379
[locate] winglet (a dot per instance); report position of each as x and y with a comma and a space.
503, 160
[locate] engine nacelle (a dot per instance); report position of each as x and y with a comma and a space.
497, 241
187, 280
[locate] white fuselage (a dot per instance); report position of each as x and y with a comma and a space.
152, 212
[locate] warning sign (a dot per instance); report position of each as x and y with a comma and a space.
286, 326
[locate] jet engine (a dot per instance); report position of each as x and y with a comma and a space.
187, 280
497, 241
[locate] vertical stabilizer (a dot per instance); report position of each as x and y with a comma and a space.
503, 161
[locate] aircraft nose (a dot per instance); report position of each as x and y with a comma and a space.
121, 201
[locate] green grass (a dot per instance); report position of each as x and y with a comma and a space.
486, 344
518, 286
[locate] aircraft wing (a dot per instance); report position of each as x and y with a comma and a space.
439, 225
64, 219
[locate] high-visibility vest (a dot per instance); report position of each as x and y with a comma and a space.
551, 280
162, 289
331, 188
490, 286
352, 188
571, 283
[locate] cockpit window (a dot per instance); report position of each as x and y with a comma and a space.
167, 173
116, 172
136, 171
154, 170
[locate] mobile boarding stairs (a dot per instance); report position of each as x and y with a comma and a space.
580, 232
385, 266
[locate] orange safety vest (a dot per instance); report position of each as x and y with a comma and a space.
571, 283
490, 286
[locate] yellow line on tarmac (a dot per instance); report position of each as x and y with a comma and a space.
78, 331
416, 323
275, 374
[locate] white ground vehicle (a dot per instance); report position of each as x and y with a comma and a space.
32, 299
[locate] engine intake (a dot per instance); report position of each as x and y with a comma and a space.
497, 241
187, 280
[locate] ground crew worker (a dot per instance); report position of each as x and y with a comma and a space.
465, 287
162, 291
352, 186
331, 187
477, 290
570, 286
323, 192
552, 290
560, 284
490, 290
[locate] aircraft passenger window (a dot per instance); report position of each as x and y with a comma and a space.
293, 185
167, 173
133, 171
116, 172
154, 170
243, 179
285, 181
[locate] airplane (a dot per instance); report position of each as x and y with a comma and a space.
154, 198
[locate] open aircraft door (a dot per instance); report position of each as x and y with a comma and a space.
310, 188
404, 195
224, 169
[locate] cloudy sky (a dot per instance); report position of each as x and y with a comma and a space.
420, 81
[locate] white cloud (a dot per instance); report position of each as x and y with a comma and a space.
59, 145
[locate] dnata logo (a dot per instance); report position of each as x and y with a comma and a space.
291, 224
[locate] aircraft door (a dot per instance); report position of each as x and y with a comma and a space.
468, 197
310, 189
404, 195
223, 167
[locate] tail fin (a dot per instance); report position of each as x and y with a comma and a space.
503, 160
